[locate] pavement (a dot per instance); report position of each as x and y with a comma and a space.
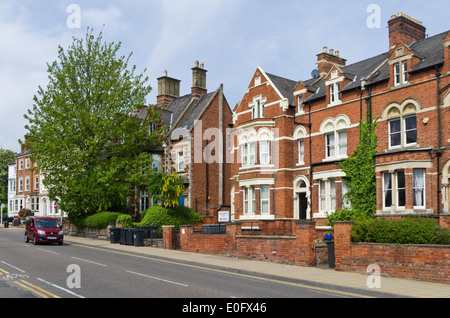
315, 277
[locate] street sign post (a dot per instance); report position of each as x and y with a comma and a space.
1, 214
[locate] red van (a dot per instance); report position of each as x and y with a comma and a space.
43, 230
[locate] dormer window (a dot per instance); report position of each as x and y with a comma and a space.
335, 93
300, 103
401, 73
334, 85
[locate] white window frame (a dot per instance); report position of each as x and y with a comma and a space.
27, 163
335, 93
180, 160
249, 200
264, 152
144, 203
386, 189
301, 151
258, 107
417, 187
327, 195
398, 189
244, 150
403, 132
401, 73
27, 184
406, 131
300, 103
36, 183
336, 144
251, 153
265, 201
21, 164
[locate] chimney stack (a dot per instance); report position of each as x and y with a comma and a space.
168, 90
326, 59
403, 28
198, 80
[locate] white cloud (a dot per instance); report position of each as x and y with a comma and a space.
111, 18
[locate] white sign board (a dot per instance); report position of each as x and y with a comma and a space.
224, 216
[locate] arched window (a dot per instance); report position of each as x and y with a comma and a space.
299, 135
335, 131
402, 123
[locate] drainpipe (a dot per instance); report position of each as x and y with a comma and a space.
438, 152
310, 154
207, 179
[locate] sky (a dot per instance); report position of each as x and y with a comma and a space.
231, 37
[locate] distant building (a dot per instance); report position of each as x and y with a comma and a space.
195, 149
30, 192
13, 203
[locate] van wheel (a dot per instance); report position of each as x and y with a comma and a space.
26, 238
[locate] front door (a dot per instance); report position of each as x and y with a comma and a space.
302, 206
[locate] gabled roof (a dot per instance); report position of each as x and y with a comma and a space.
196, 109
285, 86
376, 69
431, 50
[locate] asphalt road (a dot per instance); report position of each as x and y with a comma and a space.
80, 271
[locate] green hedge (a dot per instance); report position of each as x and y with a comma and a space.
159, 216
97, 220
409, 230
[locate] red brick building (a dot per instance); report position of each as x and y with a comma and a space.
197, 124
289, 135
27, 182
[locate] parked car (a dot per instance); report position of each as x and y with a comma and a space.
43, 230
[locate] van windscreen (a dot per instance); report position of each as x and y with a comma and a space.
52, 224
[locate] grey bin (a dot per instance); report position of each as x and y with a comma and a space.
150, 231
122, 236
331, 257
129, 239
138, 236
114, 235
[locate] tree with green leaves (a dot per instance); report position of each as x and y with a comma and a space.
6, 156
166, 188
82, 131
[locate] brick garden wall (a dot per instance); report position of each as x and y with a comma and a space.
422, 262
296, 245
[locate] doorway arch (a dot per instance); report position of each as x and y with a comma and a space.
302, 204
